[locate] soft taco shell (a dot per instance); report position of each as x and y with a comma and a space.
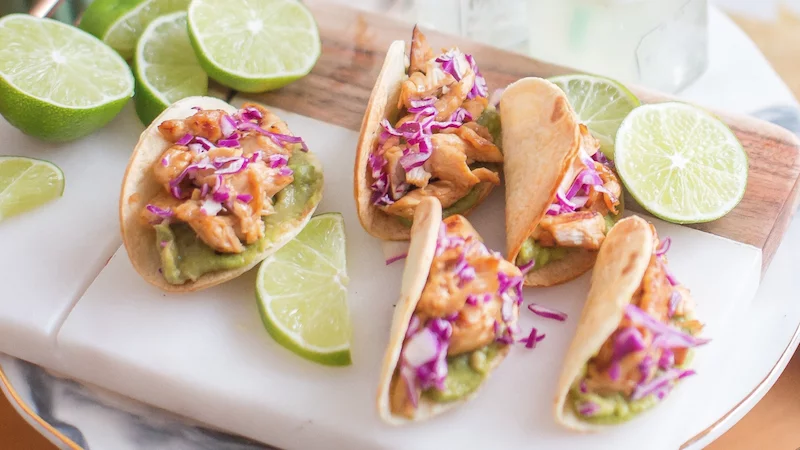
621, 263
139, 186
383, 105
541, 139
424, 233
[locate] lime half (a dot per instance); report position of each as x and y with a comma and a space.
26, 183
681, 163
165, 67
600, 103
302, 293
57, 82
119, 23
254, 46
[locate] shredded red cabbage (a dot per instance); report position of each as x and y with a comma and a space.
525, 268
196, 148
396, 258
547, 313
227, 124
207, 145
674, 300
278, 160
667, 359
160, 212
230, 143
532, 339
646, 368
285, 171
211, 207
660, 382
588, 409
614, 371
245, 198
479, 89
250, 113
628, 340
664, 247
666, 336
280, 139
460, 115
185, 139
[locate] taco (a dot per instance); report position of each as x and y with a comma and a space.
635, 335
428, 131
562, 195
454, 323
210, 191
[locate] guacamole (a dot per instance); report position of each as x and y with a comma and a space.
543, 255
185, 257
611, 410
465, 373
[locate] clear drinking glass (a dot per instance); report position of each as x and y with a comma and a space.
661, 44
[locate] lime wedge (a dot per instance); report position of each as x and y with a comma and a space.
600, 103
302, 293
119, 23
26, 183
254, 46
57, 82
166, 69
681, 163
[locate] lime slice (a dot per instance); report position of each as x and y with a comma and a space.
119, 23
681, 163
600, 103
302, 293
165, 67
254, 46
57, 82
26, 183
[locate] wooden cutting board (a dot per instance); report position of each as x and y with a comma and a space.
353, 48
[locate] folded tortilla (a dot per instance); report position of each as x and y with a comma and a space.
541, 139
424, 234
383, 105
621, 264
139, 186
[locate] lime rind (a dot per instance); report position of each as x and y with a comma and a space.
600, 103
285, 42
681, 163
305, 284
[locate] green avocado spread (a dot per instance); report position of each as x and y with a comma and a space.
185, 257
610, 410
490, 118
465, 373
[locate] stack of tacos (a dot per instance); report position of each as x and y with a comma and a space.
454, 323
429, 131
562, 195
210, 191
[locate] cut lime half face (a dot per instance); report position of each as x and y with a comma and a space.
302, 293
681, 163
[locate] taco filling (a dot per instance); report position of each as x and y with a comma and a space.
587, 206
466, 316
644, 358
227, 183
445, 143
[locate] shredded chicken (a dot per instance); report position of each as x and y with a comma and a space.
448, 173
222, 204
583, 229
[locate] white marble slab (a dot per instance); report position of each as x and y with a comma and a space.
50, 255
206, 355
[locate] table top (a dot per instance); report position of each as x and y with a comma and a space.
773, 420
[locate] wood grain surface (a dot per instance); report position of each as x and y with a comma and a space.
353, 48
